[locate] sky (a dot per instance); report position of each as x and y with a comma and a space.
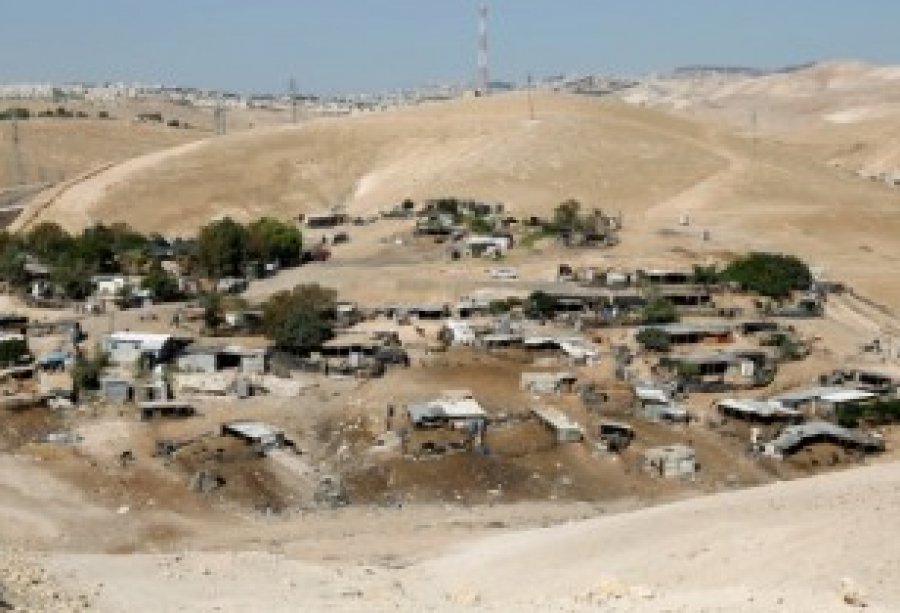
349, 46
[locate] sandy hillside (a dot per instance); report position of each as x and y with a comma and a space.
720, 553
652, 167
56, 149
606, 154
844, 112
836, 92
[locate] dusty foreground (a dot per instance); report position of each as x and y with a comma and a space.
820, 544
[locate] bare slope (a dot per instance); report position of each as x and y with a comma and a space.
55, 149
653, 167
719, 553
605, 154
836, 92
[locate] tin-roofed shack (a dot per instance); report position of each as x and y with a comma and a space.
171, 409
866, 380
455, 408
796, 437
671, 461
666, 277
215, 358
13, 322
823, 401
127, 348
565, 430
689, 334
548, 382
755, 411
324, 219
263, 437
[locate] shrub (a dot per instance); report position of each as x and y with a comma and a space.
880, 413
87, 371
654, 339
659, 311
161, 284
13, 351
540, 305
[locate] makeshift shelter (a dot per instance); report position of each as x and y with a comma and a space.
671, 461
793, 438
758, 411
548, 382
566, 430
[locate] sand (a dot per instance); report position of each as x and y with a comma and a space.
794, 546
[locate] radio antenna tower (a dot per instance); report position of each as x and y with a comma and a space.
293, 88
17, 165
483, 64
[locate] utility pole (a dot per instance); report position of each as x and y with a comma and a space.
530, 99
755, 121
17, 165
219, 117
293, 89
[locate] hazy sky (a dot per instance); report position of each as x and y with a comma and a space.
333, 46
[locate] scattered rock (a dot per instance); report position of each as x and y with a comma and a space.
853, 594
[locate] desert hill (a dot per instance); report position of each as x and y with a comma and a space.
606, 154
836, 92
844, 112
57, 149
652, 167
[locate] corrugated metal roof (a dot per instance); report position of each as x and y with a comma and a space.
807, 395
254, 429
147, 340
758, 407
793, 435
849, 395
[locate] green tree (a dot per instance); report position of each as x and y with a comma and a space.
706, 275
74, 280
769, 274
87, 371
540, 305
499, 307
659, 311
654, 339
213, 310
479, 224
12, 262
301, 319
14, 351
49, 242
222, 248
300, 332
566, 216
271, 240
161, 284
